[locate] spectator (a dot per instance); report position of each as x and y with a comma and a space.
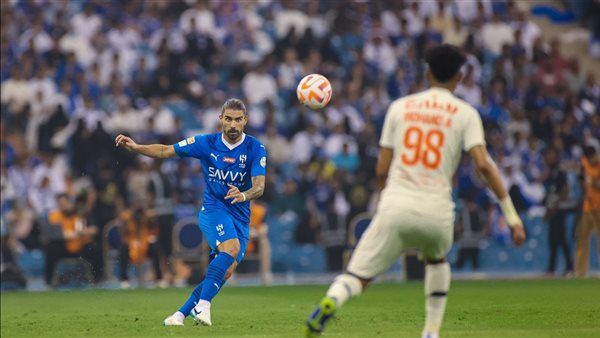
9, 269
259, 237
471, 227
495, 34
86, 24
468, 90
442, 20
278, 147
305, 143
259, 86
139, 243
559, 205
456, 34
161, 192
379, 54
590, 219
345, 160
71, 238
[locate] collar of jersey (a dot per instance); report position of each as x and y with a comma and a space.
440, 89
233, 146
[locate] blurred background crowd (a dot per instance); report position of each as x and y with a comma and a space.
74, 74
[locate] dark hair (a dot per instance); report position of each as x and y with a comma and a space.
234, 104
444, 61
589, 151
63, 195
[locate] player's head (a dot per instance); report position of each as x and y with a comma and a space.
589, 152
65, 204
444, 63
233, 118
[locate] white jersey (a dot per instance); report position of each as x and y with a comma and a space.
428, 132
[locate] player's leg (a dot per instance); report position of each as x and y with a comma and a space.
54, 250
91, 253
553, 243
186, 309
437, 283
582, 246
566, 250
378, 248
231, 244
219, 270
154, 252
596, 225
435, 243
217, 227
123, 266
264, 251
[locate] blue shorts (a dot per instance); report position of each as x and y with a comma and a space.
217, 226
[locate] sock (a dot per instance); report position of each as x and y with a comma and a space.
437, 283
189, 304
343, 287
180, 315
215, 276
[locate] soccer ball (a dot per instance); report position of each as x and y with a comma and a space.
314, 91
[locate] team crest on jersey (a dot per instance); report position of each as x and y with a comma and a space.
228, 159
243, 158
191, 140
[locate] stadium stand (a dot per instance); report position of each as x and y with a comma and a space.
76, 73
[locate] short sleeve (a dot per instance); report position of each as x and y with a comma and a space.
259, 162
189, 147
473, 132
387, 133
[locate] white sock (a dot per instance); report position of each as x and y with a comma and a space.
437, 283
343, 287
203, 304
179, 315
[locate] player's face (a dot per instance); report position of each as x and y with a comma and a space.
233, 123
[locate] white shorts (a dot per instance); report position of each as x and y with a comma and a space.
394, 230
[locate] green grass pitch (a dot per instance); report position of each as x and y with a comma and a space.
532, 308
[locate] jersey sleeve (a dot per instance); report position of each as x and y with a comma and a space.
259, 162
190, 147
473, 132
387, 133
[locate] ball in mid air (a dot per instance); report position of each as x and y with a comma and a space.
314, 91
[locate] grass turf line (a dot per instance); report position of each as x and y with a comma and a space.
532, 308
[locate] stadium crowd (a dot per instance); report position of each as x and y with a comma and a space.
74, 74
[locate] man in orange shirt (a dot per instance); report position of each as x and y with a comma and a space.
590, 219
140, 236
75, 239
259, 233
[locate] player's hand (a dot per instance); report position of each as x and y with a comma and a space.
126, 142
234, 194
518, 234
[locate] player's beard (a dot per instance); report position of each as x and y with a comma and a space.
233, 134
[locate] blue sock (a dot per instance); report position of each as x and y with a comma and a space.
215, 276
192, 300
186, 308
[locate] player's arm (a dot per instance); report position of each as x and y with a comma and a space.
257, 189
150, 150
487, 168
384, 161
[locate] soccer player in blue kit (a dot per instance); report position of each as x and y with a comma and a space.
234, 167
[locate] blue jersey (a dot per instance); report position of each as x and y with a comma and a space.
224, 164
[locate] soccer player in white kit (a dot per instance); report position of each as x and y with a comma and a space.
421, 144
